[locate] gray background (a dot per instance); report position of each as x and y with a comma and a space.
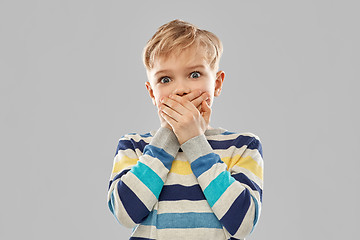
72, 83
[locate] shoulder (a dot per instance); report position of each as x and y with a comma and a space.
226, 139
134, 141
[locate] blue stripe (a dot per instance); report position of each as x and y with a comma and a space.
146, 135
111, 206
217, 187
256, 213
182, 220
132, 204
204, 163
236, 213
159, 153
178, 192
151, 219
228, 133
111, 203
146, 175
242, 178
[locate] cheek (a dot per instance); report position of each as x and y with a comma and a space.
158, 97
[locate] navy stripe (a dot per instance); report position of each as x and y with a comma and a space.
130, 144
238, 142
178, 192
119, 175
132, 204
140, 238
256, 144
236, 213
242, 178
250, 142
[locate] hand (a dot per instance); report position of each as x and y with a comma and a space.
184, 116
163, 122
192, 96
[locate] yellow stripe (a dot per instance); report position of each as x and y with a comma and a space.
184, 168
181, 167
123, 163
244, 162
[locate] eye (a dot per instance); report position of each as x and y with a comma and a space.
195, 74
165, 79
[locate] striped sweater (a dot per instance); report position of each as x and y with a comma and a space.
210, 187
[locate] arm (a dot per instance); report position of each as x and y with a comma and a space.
136, 181
235, 194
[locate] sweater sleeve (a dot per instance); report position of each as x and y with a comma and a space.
233, 190
137, 178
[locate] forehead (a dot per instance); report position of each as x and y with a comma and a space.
188, 57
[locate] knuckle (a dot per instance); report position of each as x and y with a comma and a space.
183, 100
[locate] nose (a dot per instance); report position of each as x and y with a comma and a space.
181, 89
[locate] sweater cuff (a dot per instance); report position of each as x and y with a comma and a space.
166, 139
196, 147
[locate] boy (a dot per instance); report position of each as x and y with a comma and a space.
186, 180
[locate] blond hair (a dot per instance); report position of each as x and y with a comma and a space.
175, 36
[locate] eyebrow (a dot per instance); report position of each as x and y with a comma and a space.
192, 67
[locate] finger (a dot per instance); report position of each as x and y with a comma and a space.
174, 102
198, 101
168, 119
193, 94
170, 112
181, 104
186, 105
206, 111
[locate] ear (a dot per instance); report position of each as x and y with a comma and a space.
151, 92
220, 76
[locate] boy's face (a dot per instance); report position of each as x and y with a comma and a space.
182, 74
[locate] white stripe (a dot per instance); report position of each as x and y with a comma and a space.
231, 151
191, 233
143, 231
236, 169
116, 173
127, 152
225, 201
136, 137
156, 165
254, 154
247, 223
208, 176
184, 180
184, 206
222, 137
